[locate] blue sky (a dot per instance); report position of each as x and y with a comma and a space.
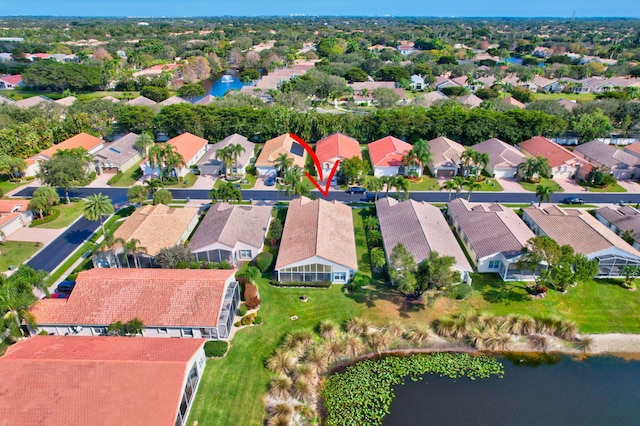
514, 8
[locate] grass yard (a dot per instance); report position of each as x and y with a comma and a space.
130, 176
16, 252
488, 185
609, 188
555, 186
250, 178
426, 184
569, 96
187, 182
6, 185
68, 214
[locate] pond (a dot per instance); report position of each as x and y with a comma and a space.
220, 84
562, 391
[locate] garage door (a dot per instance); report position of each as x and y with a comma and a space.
622, 174
445, 173
505, 173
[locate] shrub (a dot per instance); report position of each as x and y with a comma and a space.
72, 277
216, 348
264, 261
250, 291
114, 179
253, 303
258, 320
53, 216
248, 319
459, 292
1, 193
242, 310
318, 284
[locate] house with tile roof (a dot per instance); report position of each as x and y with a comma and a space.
580, 230
155, 227
621, 220
428, 99
563, 162
386, 156
100, 381
336, 147
421, 228
318, 243
157, 70
66, 101
231, 232
445, 157
503, 158
141, 101
33, 101
273, 148
190, 303
210, 165
82, 140
10, 82
510, 100
615, 161
119, 155
190, 146
14, 214
173, 100
470, 100
493, 235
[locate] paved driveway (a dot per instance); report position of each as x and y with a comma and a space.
630, 185
568, 184
510, 185
35, 235
101, 181
204, 182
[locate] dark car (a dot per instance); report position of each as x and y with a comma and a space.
572, 200
356, 190
371, 197
271, 181
59, 295
66, 287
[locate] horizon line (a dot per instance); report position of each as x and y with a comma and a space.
304, 15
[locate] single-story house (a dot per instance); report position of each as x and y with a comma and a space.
67, 101
563, 162
173, 100
141, 101
421, 228
318, 242
14, 214
100, 381
6, 101
493, 235
32, 101
157, 70
503, 158
568, 104
620, 220
445, 157
191, 147
209, 165
386, 156
470, 100
155, 227
205, 100
231, 232
336, 147
428, 99
510, 100
192, 303
82, 140
10, 82
119, 155
580, 230
363, 91
620, 164
417, 82
283, 144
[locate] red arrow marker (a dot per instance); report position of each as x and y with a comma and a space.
325, 190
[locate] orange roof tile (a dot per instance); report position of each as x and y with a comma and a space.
556, 154
81, 140
159, 297
9, 206
276, 146
188, 145
8, 218
337, 147
388, 151
97, 381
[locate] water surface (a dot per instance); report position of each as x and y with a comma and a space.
215, 86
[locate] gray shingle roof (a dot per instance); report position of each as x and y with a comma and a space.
606, 155
210, 156
119, 151
625, 218
500, 153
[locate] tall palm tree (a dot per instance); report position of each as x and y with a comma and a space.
370, 223
137, 194
409, 159
14, 305
378, 259
468, 157
226, 156
236, 150
109, 242
423, 152
97, 207
543, 192
282, 163
481, 161
471, 185
293, 182
450, 185
166, 157
132, 247
152, 185
374, 184
142, 144
402, 183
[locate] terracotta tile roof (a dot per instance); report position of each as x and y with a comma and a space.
206, 100
490, 228
513, 102
445, 152
243, 159
388, 151
501, 154
119, 151
141, 101
159, 297
229, 224
276, 146
188, 145
420, 227
4, 219
625, 218
79, 381
157, 227
568, 104
470, 100
337, 147
634, 147
9, 206
81, 140
556, 154
606, 155
318, 228
12, 79
577, 228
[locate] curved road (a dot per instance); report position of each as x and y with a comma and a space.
58, 250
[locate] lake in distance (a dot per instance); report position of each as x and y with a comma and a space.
594, 391
215, 86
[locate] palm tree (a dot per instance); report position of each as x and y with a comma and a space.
252, 274
137, 194
142, 144
543, 192
109, 242
280, 387
226, 156
235, 151
468, 157
402, 183
534, 167
283, 162
97, 207
481, 160
471, 185
409, 159
377, 257
328, 329
166, 157
162, 196
450, 185
374, 184
422, 151
152, 185
14, 304
134, 326
132, 247
370, 223
293, 182
373, 237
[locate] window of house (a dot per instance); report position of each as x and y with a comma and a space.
494, 264
187, 332
340, 276
162, 331
245, 254
99, 330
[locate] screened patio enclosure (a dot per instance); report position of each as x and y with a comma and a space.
612, 265
305, 273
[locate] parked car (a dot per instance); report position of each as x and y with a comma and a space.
572, 200
371, 197
66, 287
356, 190
271, 181
59, 296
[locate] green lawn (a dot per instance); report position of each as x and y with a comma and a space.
68, 214
569, 96
488, 185
16, 252
362, 251
426, 184
609, 188
187, 182
130, 176
543, 181
6, 185
248, 177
